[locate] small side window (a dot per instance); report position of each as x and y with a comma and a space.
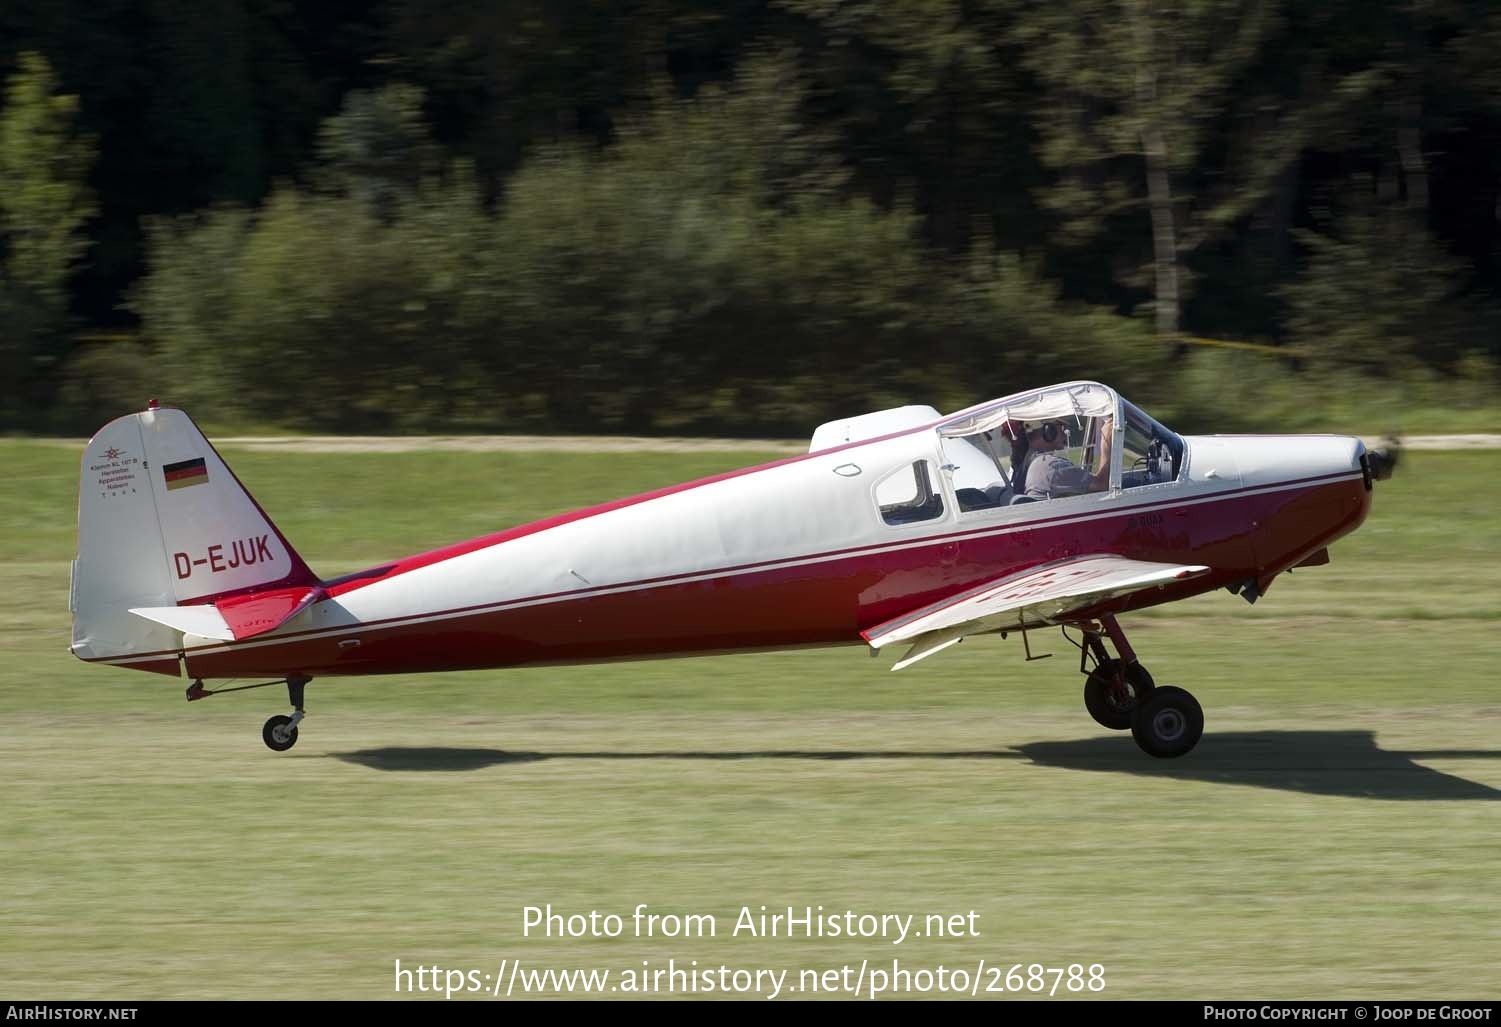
907, 496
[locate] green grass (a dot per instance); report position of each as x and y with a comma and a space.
1333, 836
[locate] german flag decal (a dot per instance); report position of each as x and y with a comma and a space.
188, 472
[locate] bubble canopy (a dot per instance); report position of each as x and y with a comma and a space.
988, 449
1079, 400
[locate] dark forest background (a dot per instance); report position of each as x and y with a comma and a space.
745, 216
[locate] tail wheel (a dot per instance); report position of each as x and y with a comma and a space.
1169, 723
1110, 701
279, 733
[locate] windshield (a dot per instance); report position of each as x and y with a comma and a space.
1151, 453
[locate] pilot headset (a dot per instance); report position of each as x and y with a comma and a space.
1049, 431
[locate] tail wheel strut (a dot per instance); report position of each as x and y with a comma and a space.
279, 732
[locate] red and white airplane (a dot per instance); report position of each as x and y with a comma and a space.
902, 527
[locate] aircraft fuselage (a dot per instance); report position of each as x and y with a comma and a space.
796, 553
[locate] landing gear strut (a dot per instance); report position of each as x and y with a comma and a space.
280, 732
1120, 694
1113, 691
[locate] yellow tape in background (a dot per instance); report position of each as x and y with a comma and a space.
1291, 352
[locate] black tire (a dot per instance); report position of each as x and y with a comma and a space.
1169, 724
1102, 702
277, 735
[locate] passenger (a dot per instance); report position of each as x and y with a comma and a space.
1048, 474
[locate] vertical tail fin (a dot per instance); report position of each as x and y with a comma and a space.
162, 521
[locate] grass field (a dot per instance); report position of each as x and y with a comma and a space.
1335, 835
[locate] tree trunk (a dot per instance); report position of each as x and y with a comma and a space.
1410, 149
1168, 303
1164, 235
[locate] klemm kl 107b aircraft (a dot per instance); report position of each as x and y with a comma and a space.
1065, 506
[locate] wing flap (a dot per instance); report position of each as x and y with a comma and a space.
1045, 593
927, 645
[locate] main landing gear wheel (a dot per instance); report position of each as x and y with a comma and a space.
1169, 723
279, 733
1110, 701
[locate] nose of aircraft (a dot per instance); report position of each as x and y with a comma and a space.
1271, 459
1307, 491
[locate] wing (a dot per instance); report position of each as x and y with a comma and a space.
1046, 593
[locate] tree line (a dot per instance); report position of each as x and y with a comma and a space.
738, 216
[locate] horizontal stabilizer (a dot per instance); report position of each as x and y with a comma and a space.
240, 617
1045, 594
190, 620
260, 612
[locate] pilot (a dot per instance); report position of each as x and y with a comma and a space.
1049, 474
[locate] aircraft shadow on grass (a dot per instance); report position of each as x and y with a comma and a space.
1347, 763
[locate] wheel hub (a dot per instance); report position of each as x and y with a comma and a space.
1168, 725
